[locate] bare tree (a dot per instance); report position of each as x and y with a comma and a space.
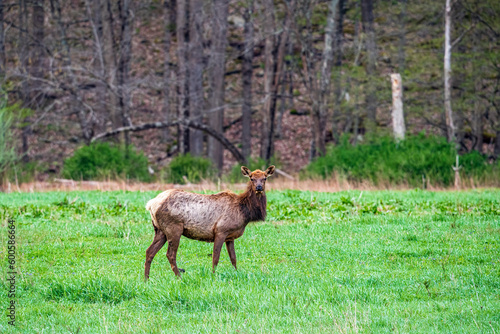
169, 31
36, 54
67, 81
398, 121
450, 125
274, 50
402, 37
2, 42
196, 102
123, 71
23, 49
371, 48
217, 69
269, 50
319, 85
247, 71
182, 73
448, 47
337, 73
320, 115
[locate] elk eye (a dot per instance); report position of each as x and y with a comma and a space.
265, 178
252, 179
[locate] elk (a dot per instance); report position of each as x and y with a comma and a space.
216, 218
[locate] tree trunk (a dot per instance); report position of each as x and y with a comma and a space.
109, 52
269, 56
196, 104
169, 29
371, 48
450, 125
217, 69
182, 74
273, 74
2, 43
37, 50
85, 118
95, 17
402, 37
23, 50
398, 121
247, 71
496, 151
124, 87
321, 112
337, 75
477, 118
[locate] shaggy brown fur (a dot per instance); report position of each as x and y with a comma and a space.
214, 218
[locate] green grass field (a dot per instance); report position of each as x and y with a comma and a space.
369, 262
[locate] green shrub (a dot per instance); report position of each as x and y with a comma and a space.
105, 161
384, 160
194, 169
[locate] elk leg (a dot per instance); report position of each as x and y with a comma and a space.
173, 244
218, 242
158, 242
232, 253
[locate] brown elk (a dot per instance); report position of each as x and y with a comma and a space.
216, 218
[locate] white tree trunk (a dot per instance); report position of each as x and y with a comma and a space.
450, 126
398, 120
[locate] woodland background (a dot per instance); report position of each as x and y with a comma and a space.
285, 82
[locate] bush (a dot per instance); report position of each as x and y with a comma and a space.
194, 169
384, 160
105, 161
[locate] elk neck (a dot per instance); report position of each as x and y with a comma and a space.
252, 206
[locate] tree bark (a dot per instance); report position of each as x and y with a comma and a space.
247, 72
371, 48
398, 121
217, 70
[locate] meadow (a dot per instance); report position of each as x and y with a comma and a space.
354, 261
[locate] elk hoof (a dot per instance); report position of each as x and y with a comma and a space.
181, 270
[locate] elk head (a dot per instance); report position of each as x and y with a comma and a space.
258, 178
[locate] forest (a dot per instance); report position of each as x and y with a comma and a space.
221, 82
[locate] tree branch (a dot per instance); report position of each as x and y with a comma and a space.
189, 123
459, 38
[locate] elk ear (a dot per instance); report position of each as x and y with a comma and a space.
245, 171
270, 170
